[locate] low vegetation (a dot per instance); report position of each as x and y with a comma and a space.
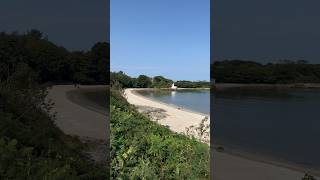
200, 132
308, 177
31, 145
143, 149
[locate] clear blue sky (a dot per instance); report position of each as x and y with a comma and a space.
161, 37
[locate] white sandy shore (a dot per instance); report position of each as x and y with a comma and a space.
74, 119
225, 166
177, 119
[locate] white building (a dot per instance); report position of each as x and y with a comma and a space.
173, 87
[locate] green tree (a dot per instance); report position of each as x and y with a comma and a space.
144, 81
100, 54
161, 82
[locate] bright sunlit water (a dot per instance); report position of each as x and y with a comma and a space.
195, 100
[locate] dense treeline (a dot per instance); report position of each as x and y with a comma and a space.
122, 80
143, 149
51, 62
31, 145
284, 72
193, 84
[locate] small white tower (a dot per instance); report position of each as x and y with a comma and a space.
173, 87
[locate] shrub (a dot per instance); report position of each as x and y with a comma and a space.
143, 149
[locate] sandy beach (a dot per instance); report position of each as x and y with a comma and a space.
178, 119
225, 166
80, 116
77, 116
230, 167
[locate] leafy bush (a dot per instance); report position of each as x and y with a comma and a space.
308, 177
31, 145
51, 62
143, 149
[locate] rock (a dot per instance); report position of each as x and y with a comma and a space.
154, 113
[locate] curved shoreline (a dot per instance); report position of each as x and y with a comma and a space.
78, 96
172, 105
178, 119
240, 165
265, 159
74, 118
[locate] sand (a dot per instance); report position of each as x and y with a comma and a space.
178, 119
225, 166
231, 167
75, 118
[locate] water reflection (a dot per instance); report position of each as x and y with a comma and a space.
279, 123
196, 100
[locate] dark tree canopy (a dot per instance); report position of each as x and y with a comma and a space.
120, 79
144, 81
285, 71
53, 63
31, 145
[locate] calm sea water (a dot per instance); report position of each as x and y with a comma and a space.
281, 124
196, 100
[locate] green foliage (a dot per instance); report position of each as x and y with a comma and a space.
121, 80
21, 162
200, 132
100, 55
308, 177
53, 63
191, 84
238, 71
161, 82
31, 145
144, 81
143, 149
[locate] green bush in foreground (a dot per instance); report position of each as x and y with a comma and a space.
32, 147
142, 149
308, 177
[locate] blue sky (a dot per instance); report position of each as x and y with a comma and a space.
161, 37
